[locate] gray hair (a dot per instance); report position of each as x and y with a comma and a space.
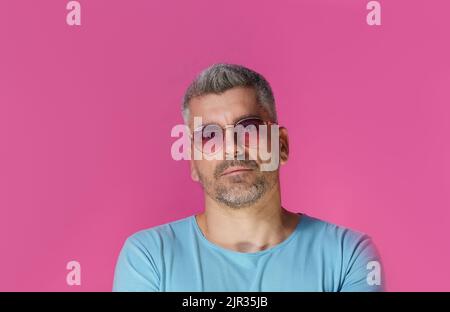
219, 78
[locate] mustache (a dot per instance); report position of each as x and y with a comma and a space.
251, 164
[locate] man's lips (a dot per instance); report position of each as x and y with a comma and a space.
235, 170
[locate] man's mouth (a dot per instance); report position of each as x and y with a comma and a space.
235, 171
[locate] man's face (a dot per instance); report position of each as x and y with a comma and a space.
235, 183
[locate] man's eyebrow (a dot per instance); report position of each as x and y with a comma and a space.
203, 125
209, 123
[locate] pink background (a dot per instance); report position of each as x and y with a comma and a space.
86, 114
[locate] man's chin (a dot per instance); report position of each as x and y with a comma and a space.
239, 195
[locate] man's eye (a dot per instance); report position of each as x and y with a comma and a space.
208, 135
210, 132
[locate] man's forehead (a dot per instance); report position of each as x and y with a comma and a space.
226, 107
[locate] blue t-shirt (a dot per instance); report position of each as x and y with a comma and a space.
316, 256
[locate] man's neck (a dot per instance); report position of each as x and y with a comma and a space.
248, 229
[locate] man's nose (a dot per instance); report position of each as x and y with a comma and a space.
232, 149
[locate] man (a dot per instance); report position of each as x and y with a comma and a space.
244, 240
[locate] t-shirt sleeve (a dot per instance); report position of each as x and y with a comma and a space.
135, 269
364, 272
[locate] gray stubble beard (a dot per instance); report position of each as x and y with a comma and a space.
237, 196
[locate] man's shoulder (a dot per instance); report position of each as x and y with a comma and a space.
163, 232
352, 253
330, 233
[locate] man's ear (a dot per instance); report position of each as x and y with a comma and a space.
194, 173
284, 145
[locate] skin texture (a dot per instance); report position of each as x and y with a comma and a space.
243, 209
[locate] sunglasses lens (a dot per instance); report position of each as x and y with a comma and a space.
208, 134
251, 128
206, 140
